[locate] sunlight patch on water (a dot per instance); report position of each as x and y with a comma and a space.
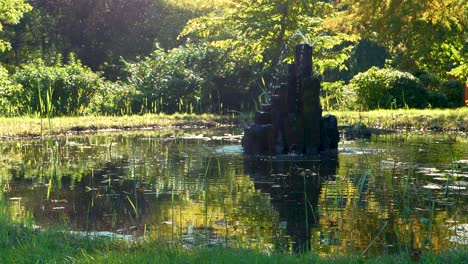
96, 234
229, 149
461, 234
432, 186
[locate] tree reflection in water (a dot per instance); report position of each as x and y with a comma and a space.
294, 185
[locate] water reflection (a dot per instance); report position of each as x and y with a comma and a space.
202, 190
294, 186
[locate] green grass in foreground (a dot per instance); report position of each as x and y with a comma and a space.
435, 119
24, 245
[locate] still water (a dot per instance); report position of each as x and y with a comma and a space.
392, 193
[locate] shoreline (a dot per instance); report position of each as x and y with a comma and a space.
379, 121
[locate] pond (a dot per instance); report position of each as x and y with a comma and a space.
393, 193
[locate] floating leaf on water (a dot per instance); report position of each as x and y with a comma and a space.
461, 183
104, 234
90, 189
433, 186
428, 170
440, 179
442, 202
109, 195
58, 201
422, 209
73, 143
121, 230
221, 222
456, 187
435, 174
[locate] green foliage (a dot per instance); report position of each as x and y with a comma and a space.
427, 35
174, 81
11, 12
8, 91
99, 32
67, 87
387, 88
264, 32
114, 98
336, 96
454, 90
191, 79
442, 94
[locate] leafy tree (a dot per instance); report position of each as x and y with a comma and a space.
11, 12
32, 39
99, 32
425, 35
263, 32
256, 37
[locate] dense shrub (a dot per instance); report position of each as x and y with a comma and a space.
388, 88
453, 90
438, 100
115, 98
61, 89
193, 78
336, 96
428, 80
442, 94
174, 81
9, 91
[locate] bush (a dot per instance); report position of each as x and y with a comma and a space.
387, 88
115, 99
178, 80
438, 100
453, 90
193, 78
442, 94
336, 96
61, 89
9, 90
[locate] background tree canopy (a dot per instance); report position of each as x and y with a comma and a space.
427, 35
11, 11
223, 55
